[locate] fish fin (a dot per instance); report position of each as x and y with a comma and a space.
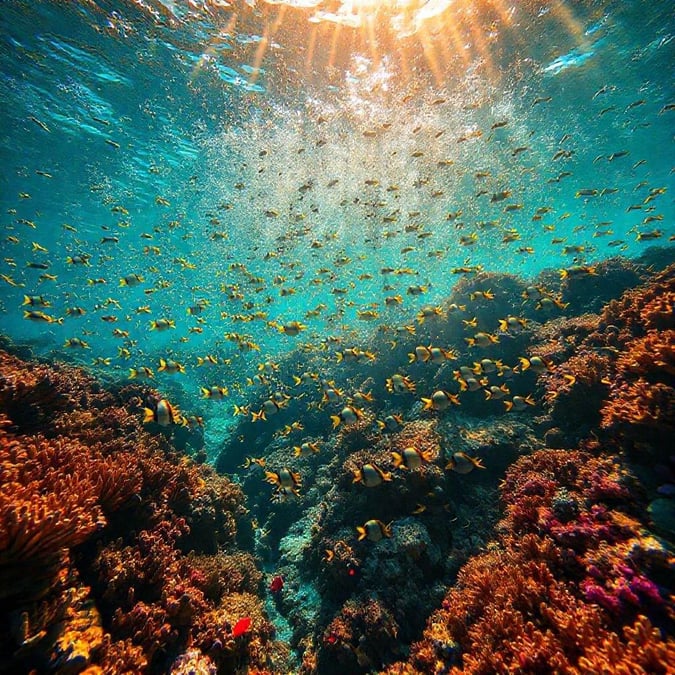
477, 462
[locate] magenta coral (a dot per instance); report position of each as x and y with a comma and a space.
562, 580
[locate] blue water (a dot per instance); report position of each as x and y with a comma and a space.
313, 152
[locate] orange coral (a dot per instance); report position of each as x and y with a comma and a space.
71, 457
420, 434
641, 403
643, 308
48, 502
654, 354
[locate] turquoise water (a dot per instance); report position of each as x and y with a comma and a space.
261, 160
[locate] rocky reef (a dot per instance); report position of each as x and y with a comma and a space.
117, 554
485, 487
518, 481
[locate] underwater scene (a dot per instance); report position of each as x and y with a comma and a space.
337, 337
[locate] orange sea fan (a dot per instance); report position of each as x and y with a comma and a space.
49, 500
653, 354
641, 403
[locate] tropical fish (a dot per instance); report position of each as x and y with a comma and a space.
373, 530
140, 372
400, 384
285, 478
257, 379
371, 475
214, 393
577, 271
512, 323
35, 301
277, 584
440, 400
428, 312
536, 363
496, 393
348, 415
164, 414
171, 367
131, 280
250, 461
306, 449
242, 626
391, 422
292, 328
162, 324
484, 366
486, 295
462, 463
40, 317
354, 355
82, 259
270, 407
331, 394
411, 458
436, 355
519, 403
76, 342
482, 340
209, 359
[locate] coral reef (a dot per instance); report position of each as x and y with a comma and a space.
381, 525
97, 518
566, 579
497, 508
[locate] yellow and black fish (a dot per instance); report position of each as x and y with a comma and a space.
373, 530
462, 463
214, 393
371, 475
164, 414
411, 458
348, 415
440, 400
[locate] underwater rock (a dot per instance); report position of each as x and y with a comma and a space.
662, 512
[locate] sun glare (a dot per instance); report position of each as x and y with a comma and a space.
453, 36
